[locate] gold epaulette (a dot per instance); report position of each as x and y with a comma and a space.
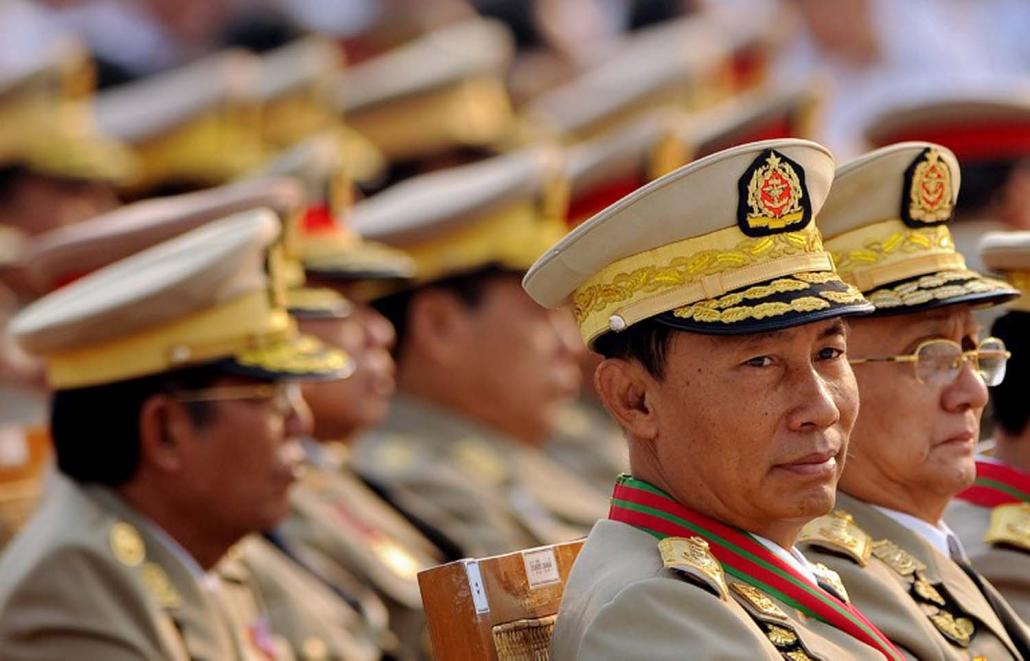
692, 557
838, 532
1010, 525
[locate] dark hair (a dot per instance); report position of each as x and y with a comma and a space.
1008, 399
95, 429
646, 342
468, 287
981, 185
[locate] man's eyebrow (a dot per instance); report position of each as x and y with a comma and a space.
838, 327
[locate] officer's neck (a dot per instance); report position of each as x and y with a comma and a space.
870, 486
782, 532
207, 545
1013, 449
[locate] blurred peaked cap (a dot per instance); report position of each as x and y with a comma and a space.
451, 79
988, 122
668, 60
325, 163
502, 211
724, 245
886, 223
63, 254
212, 294
1008, 253
46, 120
605, 168
197, 125
304, 62
439, 58
150, 106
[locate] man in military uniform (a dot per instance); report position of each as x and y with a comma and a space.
921, 370
322, 612
992, 517
483, 372
188, 354
718, 311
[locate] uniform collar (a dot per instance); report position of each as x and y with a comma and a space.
791, 556
935, 535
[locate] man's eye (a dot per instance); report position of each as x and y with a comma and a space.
829, 353
759, 361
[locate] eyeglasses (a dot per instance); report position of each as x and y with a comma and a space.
283, 395
939, 362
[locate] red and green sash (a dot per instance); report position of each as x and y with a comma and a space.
997, 484
742, 556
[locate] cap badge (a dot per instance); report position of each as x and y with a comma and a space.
929, 191
773, 198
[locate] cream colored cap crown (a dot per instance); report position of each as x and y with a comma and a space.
661, 64
441, 57
143, 109
685, 243
886, 224
1006, 251
502, 211
58, 256
213, 294
1009, 254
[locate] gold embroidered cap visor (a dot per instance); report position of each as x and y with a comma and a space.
886, 225
725, 245
212, 295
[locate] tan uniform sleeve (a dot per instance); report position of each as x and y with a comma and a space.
70, 607
661, 619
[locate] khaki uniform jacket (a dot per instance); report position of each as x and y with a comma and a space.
337, 516
488, 493
1006, 566
590, 445
316, 622
88, 580
885, 588
622, 604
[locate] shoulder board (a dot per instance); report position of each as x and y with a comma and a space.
757, 602
831, 578
838, 532
897, 558
1010, 525
692, 558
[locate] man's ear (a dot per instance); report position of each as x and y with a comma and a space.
625, 387
437, 321
164, 430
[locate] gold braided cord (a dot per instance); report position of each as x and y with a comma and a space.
684, 263
889, 240
935, 287
706, 314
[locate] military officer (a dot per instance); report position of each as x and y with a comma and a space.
319, 613
718, 311
992, 517
921, 368
483, 372
187, 354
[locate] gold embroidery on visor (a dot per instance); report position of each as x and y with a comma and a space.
889, 251
935, 287
680, 273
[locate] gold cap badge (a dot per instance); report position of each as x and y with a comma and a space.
773, 198
928, 183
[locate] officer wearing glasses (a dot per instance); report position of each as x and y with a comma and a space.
922, 373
